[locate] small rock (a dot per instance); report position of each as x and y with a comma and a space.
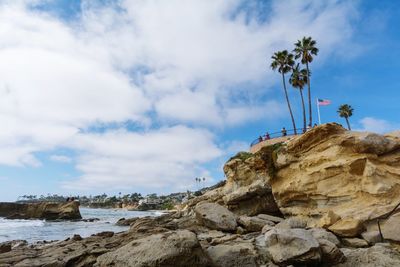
126, 222
328, 219
270, 218
331, 254
266, 228
372, 237
391, 229
354, 242
291, 223
253, 224
105, 234
240, 230
347, 227
76, 238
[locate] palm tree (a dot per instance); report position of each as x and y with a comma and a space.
345, 111
298, 79
283, 61
305, 49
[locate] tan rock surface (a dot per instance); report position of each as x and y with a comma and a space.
351, 174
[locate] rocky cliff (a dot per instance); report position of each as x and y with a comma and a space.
313, 200
42, 210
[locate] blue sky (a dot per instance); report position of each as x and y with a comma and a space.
144, 96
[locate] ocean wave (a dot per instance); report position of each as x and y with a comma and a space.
6, 224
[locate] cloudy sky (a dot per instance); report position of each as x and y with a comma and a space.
145, 95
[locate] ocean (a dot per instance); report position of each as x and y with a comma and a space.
39, 230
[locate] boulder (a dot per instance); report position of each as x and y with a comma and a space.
292, 246
215, 217
390, 228
253, 224
355, 242
41, 210
347, 227
380, 255
238, 254
331, 254
328, 169
322, 234
175, 248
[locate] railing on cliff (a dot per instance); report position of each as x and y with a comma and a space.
274, 135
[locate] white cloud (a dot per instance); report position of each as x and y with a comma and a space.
169, 157
162, 65
378, 125
60, 158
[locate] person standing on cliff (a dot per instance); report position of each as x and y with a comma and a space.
284, 132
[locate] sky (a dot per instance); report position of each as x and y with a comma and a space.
128, 96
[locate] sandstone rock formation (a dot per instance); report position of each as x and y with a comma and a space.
42, 210
354, 175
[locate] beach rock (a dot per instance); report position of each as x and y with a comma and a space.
354, 242
331, 254
352, 174
293, 222
372, 237
175, 248
126, 222
380, 255
271, 218
238, 254
347, 227
215, 217
266, 228
292, 246
42, 210
5, 247
321, 234
391, 229
253, 224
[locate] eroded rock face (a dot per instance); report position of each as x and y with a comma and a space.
42, 210
176, 248
353, 175
215, 217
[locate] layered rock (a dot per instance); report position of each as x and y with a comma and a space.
353, 175
42, 210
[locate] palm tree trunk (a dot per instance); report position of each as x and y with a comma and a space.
304, 110
348, 124
288, 103
309, 95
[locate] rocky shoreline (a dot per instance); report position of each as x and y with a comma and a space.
314, 200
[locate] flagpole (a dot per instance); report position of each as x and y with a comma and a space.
319, 114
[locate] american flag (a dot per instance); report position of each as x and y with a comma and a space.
323, 102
